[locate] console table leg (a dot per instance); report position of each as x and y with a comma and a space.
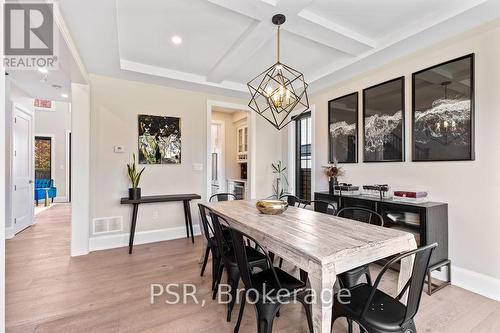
132, 228
189, 220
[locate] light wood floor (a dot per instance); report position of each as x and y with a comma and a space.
109, 291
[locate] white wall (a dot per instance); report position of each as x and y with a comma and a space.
115, 106
470, 188
56, 123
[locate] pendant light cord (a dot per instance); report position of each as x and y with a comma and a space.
278, 44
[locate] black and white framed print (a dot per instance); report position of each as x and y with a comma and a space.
159, 140
443, 111
383, 122
343, 129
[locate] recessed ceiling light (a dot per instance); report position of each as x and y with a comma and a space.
177, 40
43, 70
64, 95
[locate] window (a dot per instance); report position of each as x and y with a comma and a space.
303, 141
43, 157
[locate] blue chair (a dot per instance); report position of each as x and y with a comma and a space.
42, 186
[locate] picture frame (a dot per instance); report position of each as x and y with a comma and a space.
343, 120
443, 111
384, 132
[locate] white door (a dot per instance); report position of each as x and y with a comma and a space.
22, 200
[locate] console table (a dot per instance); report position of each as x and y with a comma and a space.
185, 198
427, 221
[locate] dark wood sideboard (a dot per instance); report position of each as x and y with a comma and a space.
428, 221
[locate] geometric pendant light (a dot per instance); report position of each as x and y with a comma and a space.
280, 92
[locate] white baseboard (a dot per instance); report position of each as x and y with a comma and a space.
476, 282
141, 237
61, 199
9, 233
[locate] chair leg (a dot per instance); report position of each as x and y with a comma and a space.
307, 307
37, 203
216, 263
281, 263
265, 317
232, 280
205, 260
217, 280
349, 325
52, 200
240, 314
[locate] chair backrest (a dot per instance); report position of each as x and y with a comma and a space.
224, 243
43, 183
207, 227
322, 206
292, 200
361, 214
222, 197
415, 283
240, 252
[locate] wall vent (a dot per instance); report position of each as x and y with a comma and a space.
104, 225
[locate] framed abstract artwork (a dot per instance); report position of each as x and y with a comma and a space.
443, 111
343, 129
159, 140
383, 122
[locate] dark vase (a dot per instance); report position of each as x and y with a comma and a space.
332, 181
134, 193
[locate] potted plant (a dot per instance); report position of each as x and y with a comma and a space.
280, 181
134, 193
333, 171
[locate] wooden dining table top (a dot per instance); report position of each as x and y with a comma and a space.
319, 236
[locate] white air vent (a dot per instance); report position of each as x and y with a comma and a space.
103, 225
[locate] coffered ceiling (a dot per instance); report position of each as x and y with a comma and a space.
225, 43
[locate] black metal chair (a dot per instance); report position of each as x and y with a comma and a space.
226, 196
321, 206
351, 278
270, 282
361, 214
225, 245
292, 200
212, 246
378, 312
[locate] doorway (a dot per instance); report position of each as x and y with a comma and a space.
22, 169
229, 149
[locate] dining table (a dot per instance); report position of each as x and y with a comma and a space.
321, 244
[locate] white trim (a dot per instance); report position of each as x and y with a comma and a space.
222, 167
138, 67
252, 148
9, 232
141, 237
63, 29
52, 154
61, 199
476, 282
66, 163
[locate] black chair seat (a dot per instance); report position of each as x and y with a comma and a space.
252, 254
351, 278
267, 278
385, 313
